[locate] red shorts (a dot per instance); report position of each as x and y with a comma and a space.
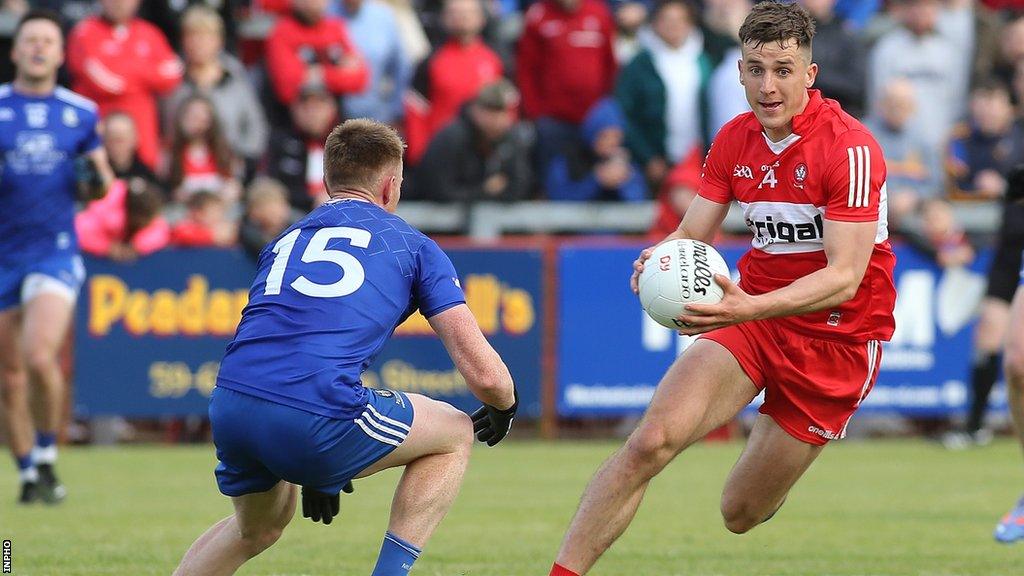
811, 387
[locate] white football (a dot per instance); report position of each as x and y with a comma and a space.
680, 272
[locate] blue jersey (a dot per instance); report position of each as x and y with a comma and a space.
328, 294
40, 138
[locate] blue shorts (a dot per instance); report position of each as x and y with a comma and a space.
62, 273
260, 443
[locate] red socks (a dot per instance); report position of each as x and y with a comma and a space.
559, 570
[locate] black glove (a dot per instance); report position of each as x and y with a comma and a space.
491, 425
87, 175
320, 506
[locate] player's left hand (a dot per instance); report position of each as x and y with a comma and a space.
736, 306
322, 507
491, 425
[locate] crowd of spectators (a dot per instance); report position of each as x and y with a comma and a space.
215, 124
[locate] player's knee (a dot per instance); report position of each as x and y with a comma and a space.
256, 540
40, 359
462, 433
739, 516
650, 448
742, 515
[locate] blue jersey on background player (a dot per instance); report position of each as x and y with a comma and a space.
328, 294
40, 139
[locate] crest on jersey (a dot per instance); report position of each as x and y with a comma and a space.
800, 174
35, 115
69, 117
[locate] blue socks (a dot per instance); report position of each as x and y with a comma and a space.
396, 557
45, 439
26, 468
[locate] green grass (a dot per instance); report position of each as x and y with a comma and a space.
864, 508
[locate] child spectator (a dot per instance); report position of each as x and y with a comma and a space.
601, 169
212, 72
989, 146
267, 214
199, 157
205, 224
941, 238
124, 224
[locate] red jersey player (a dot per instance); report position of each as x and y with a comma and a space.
815, 297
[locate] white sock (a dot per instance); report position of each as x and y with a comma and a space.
46, 455
28, 474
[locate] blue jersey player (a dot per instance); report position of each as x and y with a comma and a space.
1011, 526
47, 135
289, 408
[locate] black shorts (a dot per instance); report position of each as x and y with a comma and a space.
1004, 275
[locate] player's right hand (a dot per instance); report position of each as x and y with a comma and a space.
322, 507
638, 267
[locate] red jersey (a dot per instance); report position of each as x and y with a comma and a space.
124, 67
565, 60
293, 46
831, 168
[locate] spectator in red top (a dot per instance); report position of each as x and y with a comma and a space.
453, 74
310, 47
678, 191
565, 64
124, 63
206, 223
200, 157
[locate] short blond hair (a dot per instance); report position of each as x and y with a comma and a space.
358, 152
201, 17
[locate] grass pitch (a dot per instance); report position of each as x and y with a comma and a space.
864, 508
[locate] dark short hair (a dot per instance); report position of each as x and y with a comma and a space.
358, 151
773, 21
39, 14
691, 10
989, 85
200, 199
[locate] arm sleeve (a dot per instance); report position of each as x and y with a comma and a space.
854, 179
561, 186
610, 62
91, 138
401, 71
165, 68
285, 68
631, 101
437, 284
529, 54
714, 177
